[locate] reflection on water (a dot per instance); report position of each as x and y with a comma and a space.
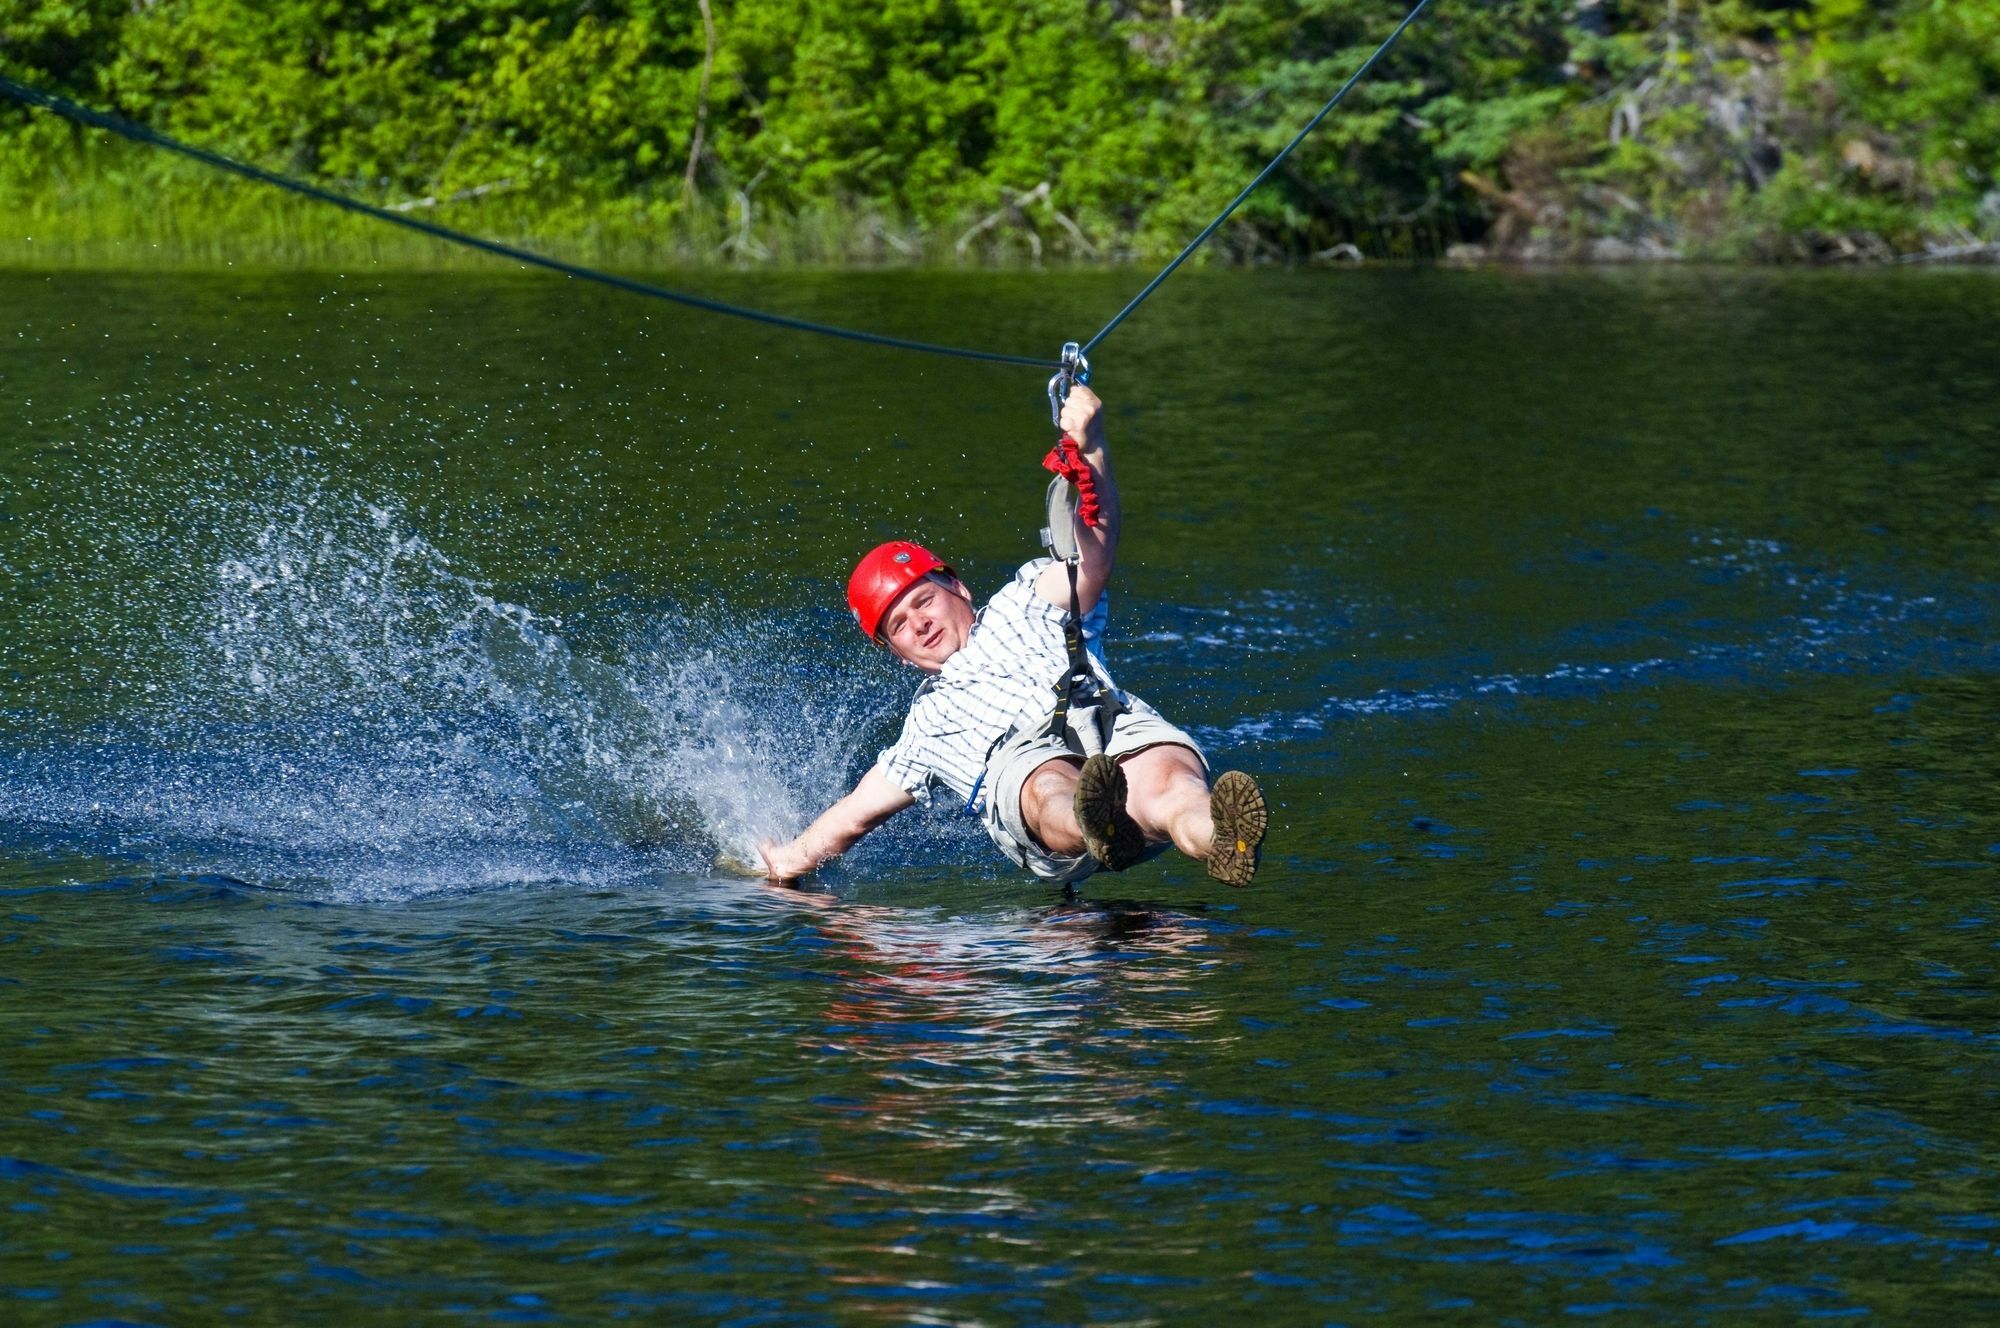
960, 1008
969, 1032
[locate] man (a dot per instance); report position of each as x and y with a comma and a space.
1020, 719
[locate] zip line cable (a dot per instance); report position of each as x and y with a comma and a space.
1262, 176
139, 133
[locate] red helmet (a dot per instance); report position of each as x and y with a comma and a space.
884, 573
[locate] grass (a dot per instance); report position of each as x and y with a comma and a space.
109, 206
255, 226
105, 204
172, 214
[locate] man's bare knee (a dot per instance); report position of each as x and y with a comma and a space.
1055, 774
1168, 795
1048, 806
1154, 770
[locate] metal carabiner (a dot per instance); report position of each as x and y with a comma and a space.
1075, 369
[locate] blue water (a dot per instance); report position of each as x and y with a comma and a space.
393, 660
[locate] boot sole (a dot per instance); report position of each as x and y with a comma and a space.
1237, 806
1111, 835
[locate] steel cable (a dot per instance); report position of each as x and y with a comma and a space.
139, 133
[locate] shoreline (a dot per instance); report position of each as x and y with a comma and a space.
20, 259
102, 226
257, 233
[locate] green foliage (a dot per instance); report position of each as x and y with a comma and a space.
832, 130
1808, 128
1926, 88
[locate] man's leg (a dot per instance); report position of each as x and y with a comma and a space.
1222, 826
1166, 792
1158, 794
1048, 806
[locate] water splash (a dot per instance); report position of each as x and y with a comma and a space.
344, 706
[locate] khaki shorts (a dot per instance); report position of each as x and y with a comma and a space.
1139, 727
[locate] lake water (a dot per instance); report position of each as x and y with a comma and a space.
388, 659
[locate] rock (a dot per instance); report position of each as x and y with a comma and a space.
1609, 249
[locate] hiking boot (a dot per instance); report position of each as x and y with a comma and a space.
1112, 837
1237, 805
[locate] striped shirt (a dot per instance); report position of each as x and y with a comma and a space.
1007, 670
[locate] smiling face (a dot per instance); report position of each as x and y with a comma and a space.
929, 622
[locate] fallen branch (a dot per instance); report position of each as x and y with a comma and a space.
431, 201
1075, 232
1344, 252
1012, 208
893, 240
743, 242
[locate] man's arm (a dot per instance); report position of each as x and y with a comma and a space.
1096, 547
873, 801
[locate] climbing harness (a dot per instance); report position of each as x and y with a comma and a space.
1072, 497
1080, 689
139, 133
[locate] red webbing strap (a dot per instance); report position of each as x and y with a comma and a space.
1066, 459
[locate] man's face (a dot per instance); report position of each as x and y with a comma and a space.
929, 622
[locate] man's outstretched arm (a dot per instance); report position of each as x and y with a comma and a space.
873, 801
1096, 546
